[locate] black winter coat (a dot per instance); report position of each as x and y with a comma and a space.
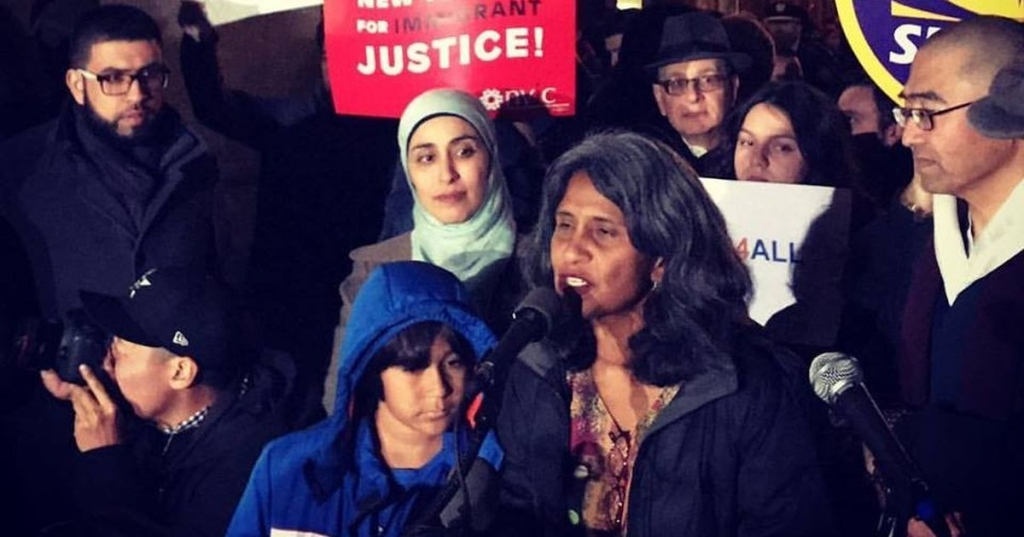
77, 231
732, 454
187, 485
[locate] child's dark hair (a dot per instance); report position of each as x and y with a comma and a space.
410, 350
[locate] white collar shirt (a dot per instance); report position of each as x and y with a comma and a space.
1001, 240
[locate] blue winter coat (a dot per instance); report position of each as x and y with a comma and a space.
329, 479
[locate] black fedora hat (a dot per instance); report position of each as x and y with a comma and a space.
695, 36
1001, 113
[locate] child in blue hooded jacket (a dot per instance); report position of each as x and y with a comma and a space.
390, 446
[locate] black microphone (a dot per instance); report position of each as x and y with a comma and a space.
837, 379
531, 321
474, 508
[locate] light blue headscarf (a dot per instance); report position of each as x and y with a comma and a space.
474, 250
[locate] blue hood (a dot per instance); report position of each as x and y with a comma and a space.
329, 479
395, 296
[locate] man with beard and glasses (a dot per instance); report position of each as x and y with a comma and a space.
116, 184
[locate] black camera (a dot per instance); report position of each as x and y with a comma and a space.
48, 344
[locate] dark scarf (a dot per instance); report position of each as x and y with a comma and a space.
130, 169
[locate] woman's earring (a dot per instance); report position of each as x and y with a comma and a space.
655, 284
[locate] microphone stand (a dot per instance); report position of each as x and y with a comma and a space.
530, 323
480, 406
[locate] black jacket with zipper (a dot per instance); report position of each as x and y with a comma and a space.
189, 484
732, 454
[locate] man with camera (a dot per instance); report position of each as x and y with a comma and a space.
171, 426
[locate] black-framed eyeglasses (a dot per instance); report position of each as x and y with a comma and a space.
703, 84
152, 78
924, 119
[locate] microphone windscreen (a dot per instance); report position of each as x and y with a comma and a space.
542, 300
832, 373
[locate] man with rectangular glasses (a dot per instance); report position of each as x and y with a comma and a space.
695, 84
117, 182
962, 359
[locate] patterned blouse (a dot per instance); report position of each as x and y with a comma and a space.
605, 453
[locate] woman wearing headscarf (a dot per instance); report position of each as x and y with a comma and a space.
462, 214
373, 467
664, 412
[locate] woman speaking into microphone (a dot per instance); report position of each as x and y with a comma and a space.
666, 413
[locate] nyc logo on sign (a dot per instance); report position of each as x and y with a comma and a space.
885, 34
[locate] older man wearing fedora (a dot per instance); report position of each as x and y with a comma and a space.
695, 84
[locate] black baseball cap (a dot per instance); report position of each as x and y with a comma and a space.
178, 309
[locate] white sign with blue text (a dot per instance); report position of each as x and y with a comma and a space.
794, 240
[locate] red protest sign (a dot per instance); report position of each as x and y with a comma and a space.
518, 56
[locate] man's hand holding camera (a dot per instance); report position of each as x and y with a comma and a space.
96, 413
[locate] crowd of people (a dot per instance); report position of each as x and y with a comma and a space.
345, 386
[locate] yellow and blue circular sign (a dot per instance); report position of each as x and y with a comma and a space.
885, 34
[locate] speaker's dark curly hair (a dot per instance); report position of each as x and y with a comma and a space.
694, 317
